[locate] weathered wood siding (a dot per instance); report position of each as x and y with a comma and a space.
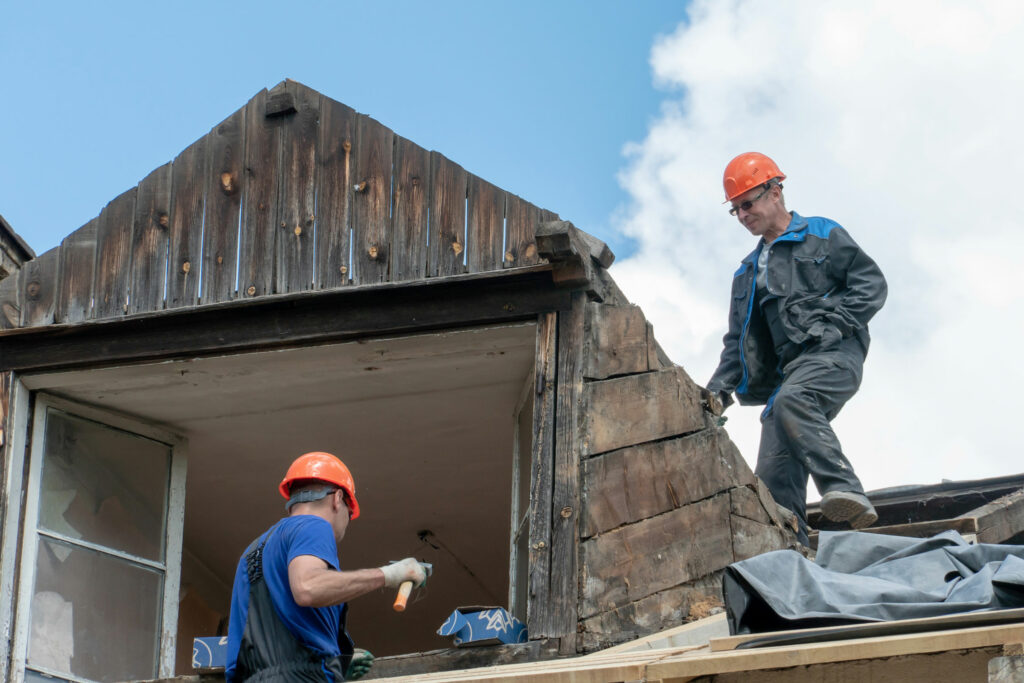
667, 502
293, 192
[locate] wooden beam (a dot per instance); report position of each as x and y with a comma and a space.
616, 341
302, 318
1000, 520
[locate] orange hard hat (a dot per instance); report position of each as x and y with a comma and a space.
747, 171
321, 467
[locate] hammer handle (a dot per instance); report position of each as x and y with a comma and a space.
403, 596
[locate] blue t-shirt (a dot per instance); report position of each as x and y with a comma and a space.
315, 627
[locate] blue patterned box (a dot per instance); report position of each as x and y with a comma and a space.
478, 625
210, 653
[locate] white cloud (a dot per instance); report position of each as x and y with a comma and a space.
901, 122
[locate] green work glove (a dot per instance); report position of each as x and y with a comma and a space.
362, 660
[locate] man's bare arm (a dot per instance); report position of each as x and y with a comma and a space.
315, 584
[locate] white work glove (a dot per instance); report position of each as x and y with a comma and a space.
406, 570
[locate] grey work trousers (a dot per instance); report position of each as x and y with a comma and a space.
796, 437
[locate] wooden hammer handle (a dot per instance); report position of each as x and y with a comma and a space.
402, 599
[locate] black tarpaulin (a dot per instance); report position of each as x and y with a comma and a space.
861, 577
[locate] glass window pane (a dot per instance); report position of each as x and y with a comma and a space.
104, 485
94, 616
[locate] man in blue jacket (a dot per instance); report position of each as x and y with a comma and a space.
797, 339
289, 599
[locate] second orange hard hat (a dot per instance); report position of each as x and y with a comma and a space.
747, 171
325, 467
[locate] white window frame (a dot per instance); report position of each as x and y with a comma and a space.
520, 518
171, 566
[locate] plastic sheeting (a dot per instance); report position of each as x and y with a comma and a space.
861, 577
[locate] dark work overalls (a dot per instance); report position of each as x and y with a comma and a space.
269, 651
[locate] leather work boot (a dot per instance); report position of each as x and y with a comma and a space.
847, 506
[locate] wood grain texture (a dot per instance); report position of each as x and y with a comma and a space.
113, 241
188, 190
616, 341
565, 501
149, 245
225, 176
295, 240
447, 217
1000, 520
75, 274
522, 219
409, 237
538, 606
485, 226
643, 481
639, 408
334, 194
10, 302
260, 207
694, 600
640, 559
751, 537
371, 202
38, 286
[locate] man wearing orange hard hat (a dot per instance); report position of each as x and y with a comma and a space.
289, 599
797, 339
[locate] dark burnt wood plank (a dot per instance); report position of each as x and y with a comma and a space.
150, 242
10, 303
565, 500
260, 211
75, 274
38, 283
334, 194
409, 236
522, 219
297, 191
188, 188
225, 177
538, 605
290, 319
485, 227
447, 217
371, 202
113, 239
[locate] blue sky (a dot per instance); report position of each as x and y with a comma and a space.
537, 97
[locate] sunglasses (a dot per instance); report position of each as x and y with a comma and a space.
745, 205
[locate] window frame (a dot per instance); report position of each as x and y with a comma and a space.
31, 533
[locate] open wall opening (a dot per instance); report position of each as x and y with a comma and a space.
427, 424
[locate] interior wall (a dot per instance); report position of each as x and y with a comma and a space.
424, 422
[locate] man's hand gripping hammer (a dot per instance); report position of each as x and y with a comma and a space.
406, 574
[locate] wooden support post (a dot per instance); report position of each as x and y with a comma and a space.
538, 606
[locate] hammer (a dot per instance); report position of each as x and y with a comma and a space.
406, 588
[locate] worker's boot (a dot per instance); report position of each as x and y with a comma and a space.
848, 506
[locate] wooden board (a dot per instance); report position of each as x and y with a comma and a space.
150, 242
371, 202
565, 499
10, 302
295, 240
656, 613
75, 274
485, 226
188, 189
409, 236
638, 482
334, 194
750, 537
447, 217
226, 175
1000, 520
655, 554
538, 605
260, 208
616, 342
640, 408
113, 241
521, 222
875, 629
38, 283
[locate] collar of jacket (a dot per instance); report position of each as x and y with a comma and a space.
796, 231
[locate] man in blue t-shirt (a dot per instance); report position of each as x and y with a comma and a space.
289, 598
